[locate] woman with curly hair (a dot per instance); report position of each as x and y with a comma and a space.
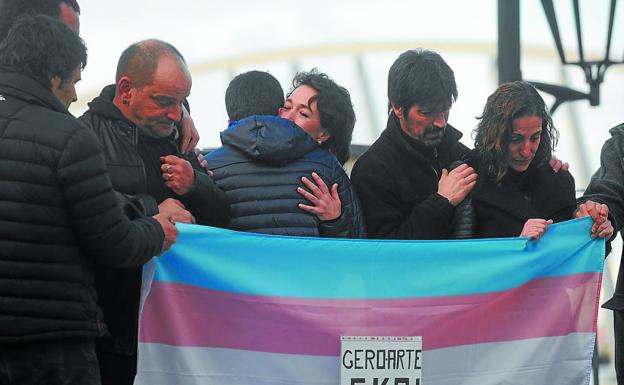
517, 192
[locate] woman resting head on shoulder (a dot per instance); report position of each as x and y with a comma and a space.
518, 193
283, 175
323, 109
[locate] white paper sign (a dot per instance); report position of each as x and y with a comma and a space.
380, 360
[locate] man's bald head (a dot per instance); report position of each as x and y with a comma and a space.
152, 83
140, 60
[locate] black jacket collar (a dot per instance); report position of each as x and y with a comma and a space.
29, 90
103, 105
508, 197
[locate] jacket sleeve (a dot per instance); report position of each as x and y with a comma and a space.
206, 201
464, 216
388, 216
102, 229
607, 184
350, 224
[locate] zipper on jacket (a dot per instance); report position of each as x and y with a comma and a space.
135, 141
136, 146
435, 157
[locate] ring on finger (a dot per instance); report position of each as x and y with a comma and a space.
168, 169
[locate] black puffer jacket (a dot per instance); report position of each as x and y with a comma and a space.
397, 182
58, 217
119, 289
260, 167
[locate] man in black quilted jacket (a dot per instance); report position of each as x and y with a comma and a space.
59, 215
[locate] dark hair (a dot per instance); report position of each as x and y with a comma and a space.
41, 48
11, 10
140, 60
422, 77
253, 93
493, 133
335, 111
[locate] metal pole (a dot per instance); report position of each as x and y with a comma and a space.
508, 41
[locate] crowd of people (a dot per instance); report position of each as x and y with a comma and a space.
87, 201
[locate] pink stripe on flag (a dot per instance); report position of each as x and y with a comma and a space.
184, 315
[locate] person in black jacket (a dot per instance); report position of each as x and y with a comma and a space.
517, 192
136, 121
402, 180
59, 213
266, 161
67, 11
604, 199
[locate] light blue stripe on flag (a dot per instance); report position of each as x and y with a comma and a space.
352, 269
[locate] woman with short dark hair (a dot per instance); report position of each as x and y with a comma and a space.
336, 115
283, 175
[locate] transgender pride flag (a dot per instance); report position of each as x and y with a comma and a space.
230, 308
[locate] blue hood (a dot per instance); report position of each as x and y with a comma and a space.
269, 139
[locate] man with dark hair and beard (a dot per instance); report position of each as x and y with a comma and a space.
403, 180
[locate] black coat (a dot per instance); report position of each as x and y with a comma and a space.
59, 216
397, 182
119, 289
260, 167
607, 186
501, 210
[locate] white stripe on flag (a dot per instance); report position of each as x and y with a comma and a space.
533, 361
